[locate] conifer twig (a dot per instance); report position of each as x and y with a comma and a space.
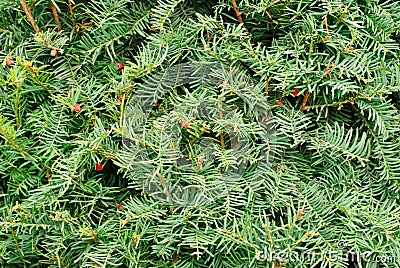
304, 104
270, 16
164, 185
14, 235
327, 36
70, 6
239, 16
266, 87
55, 15
333, 104
275, 2
29, 15
221, 135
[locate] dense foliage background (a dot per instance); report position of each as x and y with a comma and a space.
328, 71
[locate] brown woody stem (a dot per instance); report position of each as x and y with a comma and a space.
55, 15
239, 15
304, 105
29, 15
70, 6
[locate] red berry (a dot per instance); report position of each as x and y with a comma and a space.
120, 207
99, 166
295, 92
9, 62
301, 214
77, 107
153, 27
185, 124
53, 52
120, 65
280, 102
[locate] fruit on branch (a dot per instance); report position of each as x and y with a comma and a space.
77, 107
295, 92
9, 62
99, 166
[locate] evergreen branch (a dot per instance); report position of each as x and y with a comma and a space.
308, 178
333, 104
13, 143
386, 154
32, 72
379, 111
343, 143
